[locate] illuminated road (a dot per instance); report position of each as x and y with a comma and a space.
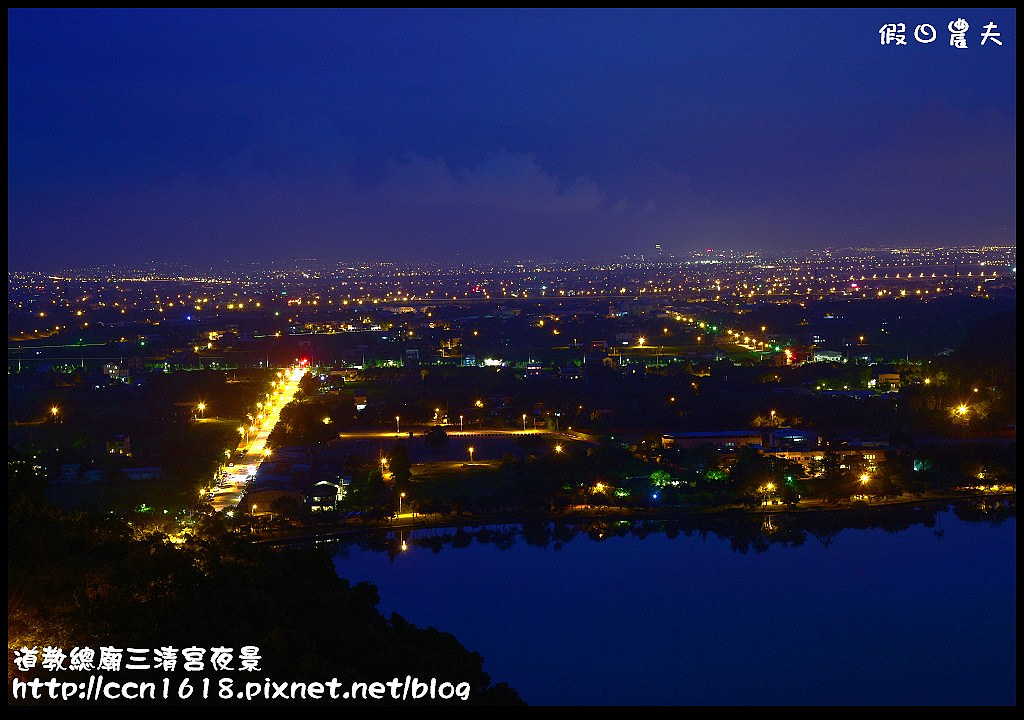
255, 451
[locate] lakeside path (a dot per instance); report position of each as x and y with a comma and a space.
418, 521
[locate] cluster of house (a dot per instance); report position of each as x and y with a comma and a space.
800, 446
292, 475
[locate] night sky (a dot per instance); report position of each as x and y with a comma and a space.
205, 136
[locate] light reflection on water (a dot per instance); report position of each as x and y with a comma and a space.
916, 606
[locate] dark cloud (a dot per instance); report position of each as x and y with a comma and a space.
194, 135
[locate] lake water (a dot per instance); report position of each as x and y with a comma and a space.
746, 611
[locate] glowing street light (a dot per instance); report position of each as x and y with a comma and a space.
54, 411
470, 448
460, 423
524, 422
327, 421
201, 407
400, 496
398, 428
640, 341
558, 448
961, 410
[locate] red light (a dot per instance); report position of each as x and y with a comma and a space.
305, 361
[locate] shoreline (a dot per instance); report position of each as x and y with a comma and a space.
422, 522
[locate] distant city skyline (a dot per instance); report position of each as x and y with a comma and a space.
221, 137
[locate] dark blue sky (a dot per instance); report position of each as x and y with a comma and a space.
201, 136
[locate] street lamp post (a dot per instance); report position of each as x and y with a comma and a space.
400, 496
460, 423
524, 422
471, 454
398, 428
201, 407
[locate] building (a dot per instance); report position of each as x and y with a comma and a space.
889, 381
827, 356
871, 457
719, 440
792, 439
324, 495
116, 371
120, 445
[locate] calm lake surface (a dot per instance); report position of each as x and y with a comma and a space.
921, 610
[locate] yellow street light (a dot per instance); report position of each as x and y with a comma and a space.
558, 448
961, 410
327, 421
54, 410
640, 341
470, 448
